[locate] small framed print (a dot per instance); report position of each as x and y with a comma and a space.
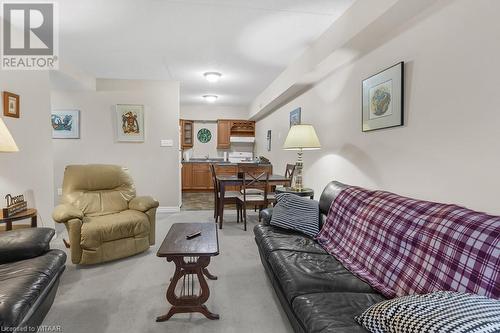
10, 104
65, 124
130, 123
295, 117
383, 99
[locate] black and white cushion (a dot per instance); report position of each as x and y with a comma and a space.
296, 213
442, 311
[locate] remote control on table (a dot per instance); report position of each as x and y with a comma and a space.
193, 235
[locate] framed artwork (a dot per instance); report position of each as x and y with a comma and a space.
10, 104
268, 140
204, 135
130, 123
383, 99
295, 117
65, 124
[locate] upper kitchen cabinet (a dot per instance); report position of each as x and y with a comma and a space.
242, 128
223, 134
233, 128
187, 136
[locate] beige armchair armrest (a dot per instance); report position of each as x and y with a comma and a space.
143, 204
63, 213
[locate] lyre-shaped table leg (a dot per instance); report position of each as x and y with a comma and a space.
190, 302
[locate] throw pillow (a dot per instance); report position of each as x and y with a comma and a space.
442, 311
296, 213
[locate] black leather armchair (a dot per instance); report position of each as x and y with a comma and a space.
29, 275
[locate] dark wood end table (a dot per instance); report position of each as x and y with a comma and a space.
191, 258
30, 213
306, 192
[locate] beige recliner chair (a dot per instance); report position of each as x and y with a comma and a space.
104, 218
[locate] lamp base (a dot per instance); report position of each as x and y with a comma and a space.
298, 172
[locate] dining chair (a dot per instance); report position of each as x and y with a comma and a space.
289, 171
230, 197
248, 196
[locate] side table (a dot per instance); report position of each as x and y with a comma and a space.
191, 258
306, 192
30, 213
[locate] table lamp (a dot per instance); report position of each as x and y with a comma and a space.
7, 143
301, 137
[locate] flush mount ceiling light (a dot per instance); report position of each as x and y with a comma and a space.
212, 76
210, 98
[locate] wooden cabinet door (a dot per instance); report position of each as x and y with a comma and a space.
201, 176
223, 134
187, 176
187, 135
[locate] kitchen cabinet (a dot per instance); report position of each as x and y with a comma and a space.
187, 176
201, 177
223, 134
230, 127
242, 128
196, 176
187, 135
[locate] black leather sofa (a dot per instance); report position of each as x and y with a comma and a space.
29, 277
316, 291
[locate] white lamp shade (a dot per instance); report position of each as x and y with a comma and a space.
302, 137
7, 143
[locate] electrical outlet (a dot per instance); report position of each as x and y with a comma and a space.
59, 191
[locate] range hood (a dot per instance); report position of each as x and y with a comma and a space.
242, 139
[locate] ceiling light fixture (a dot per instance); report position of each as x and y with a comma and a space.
210, 98
212, 76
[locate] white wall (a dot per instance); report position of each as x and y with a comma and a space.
212, 112
447, 151
154, 169
29, 171
202, 149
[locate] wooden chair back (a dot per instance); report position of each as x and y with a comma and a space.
255, 180
214, 178
289, 171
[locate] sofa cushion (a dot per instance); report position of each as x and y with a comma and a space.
99, 229
303, 273
22, 282
272, 238
296, 213
333, 312
442, 311
24, 243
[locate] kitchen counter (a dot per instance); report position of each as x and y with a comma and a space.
220, 162
196, 174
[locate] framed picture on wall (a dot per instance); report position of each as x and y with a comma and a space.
130, 123
383, 99
10, 104
268, 140
65, 124
295, 117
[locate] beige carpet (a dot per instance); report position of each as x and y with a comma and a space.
128, 294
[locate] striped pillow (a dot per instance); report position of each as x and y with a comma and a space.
442, 311
296, 213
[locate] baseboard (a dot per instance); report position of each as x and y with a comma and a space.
164, 209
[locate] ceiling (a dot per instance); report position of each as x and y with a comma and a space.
249, 41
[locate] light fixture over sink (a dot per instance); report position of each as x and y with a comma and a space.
212, 76
210, 98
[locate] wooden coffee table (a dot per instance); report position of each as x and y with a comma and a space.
191, 258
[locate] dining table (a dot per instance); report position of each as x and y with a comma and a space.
234, 180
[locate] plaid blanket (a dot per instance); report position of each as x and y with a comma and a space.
402, 246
